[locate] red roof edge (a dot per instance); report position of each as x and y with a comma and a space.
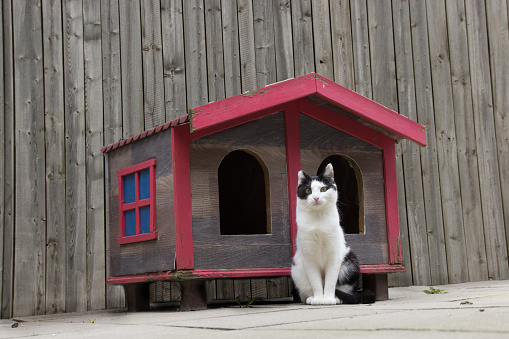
216, 113
159, 128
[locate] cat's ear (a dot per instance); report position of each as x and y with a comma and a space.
328, 172
303, 177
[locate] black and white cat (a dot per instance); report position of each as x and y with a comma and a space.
325, 271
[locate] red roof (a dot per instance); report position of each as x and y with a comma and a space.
322, 91
155, 130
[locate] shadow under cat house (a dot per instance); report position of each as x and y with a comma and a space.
212, 194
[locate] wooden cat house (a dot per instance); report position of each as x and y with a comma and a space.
213, 194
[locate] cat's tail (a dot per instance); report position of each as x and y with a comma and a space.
365, 297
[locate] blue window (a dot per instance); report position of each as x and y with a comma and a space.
137, 202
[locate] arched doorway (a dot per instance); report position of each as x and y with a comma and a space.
243, 194
348, 178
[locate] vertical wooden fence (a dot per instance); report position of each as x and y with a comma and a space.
79, 74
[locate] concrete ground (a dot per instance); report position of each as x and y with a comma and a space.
470, 310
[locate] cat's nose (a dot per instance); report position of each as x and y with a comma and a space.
316, 198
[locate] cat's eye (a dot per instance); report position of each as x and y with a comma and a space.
308, 190
323, 189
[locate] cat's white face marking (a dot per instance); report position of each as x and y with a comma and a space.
317, 192
320, 195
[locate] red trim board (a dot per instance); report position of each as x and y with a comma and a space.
292, 165
235, 122
182, 198
391, 203
370, 110
231, 273
248, 103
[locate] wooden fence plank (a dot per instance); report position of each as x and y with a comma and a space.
410, 191
8, 164
242, 289
132, 66
152, 56
283, 39
277, 288
195, 51
246, 44
30, 193
303, 46
491, 196
467, 150
498, 37
76, 216
259, 289
225, 289
429, 261
446, 143
231, 48
166, 291
2, 156
361, 57
322, 38
173, 59
112, 108
55, 156
342, 44
210, 287
383, 68
95, 245
385, 89
215, 63
265, 58
112, 83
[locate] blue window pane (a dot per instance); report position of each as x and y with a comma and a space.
145, 184
129, 189
145, 219
130, 222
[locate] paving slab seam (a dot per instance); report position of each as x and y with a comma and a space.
304, 321
391, 330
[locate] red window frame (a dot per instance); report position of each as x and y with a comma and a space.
138, 203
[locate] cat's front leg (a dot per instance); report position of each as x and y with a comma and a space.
331, 279
315, 280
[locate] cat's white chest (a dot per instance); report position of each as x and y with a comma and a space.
320, 237
316, 241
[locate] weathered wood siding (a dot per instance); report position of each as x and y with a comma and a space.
78, 74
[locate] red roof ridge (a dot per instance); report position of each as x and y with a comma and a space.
157, 129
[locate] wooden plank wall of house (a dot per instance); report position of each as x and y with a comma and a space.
76, 75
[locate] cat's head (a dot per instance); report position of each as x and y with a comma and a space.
317, 192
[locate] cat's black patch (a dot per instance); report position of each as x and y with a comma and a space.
304, 184
351, 278
365, 297
353, 272
328, 180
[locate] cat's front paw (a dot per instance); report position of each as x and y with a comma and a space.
314, 301
329, 301
321, 301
